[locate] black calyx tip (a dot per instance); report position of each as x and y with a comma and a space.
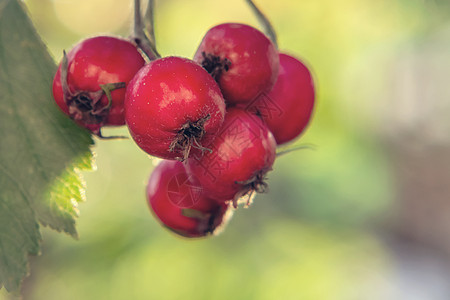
189, 136
87, 108
215, 65
256, 184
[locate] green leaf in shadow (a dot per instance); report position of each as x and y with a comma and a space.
41, 150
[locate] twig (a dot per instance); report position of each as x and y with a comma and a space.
149, 21
264, 21
139, 36
295, 148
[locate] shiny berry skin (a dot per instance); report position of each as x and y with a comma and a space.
242, 154
287, 109
242, 60
173, 107
93, 62
179, 205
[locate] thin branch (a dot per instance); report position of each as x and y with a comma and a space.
149, 21
295, 148
139, 36
137, 31
264, 21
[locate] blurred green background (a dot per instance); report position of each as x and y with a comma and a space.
363, 216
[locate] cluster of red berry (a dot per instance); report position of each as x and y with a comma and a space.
216, 119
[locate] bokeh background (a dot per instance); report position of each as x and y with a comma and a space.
366, 215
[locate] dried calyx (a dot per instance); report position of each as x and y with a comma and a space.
257, 184
215, 65
188, 137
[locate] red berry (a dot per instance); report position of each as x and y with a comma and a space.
173, 104
287, 109
181, 206
242, 60
242, 154
93, 62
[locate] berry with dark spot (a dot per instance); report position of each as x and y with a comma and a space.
241, 59
90, 83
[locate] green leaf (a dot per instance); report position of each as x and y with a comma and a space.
41, 150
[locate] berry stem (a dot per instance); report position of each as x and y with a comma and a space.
149, 26
192, 213
292, 149
149, 21
111, 137
264, 21
139, 36
108, 88
64, 71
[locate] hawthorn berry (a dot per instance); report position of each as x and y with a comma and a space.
172, 106
180, 205
242, 153
287, 109
89, 85
241, 59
